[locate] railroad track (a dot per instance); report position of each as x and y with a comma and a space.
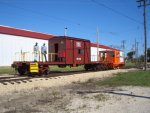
11, 83
16, 79
13, 80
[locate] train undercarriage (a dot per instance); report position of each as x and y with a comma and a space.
42, 68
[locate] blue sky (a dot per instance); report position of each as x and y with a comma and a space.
117, 20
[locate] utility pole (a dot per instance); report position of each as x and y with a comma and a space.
98, 44
132, 49
123, 47
65, 34
144, 4
137, 51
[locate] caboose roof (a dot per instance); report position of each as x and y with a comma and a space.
71, 38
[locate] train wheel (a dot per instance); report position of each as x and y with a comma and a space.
87, 67
100, 68
95, 68
21, 71
106, 67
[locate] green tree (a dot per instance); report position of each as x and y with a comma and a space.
130, 55
141, 58
148, 56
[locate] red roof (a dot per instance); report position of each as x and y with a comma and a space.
24, 33
103, 46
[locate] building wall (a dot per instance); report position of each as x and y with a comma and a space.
12, 46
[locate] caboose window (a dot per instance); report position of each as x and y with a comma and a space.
80, 51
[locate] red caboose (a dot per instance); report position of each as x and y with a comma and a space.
69, 51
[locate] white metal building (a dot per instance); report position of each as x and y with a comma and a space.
14, 43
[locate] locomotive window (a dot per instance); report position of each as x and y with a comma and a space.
112, 54
80, 51
117, 54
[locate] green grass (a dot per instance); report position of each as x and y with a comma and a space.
140, 78
130, 64
7, 70
66, 69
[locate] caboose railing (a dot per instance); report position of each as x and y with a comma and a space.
29, 56
52, 56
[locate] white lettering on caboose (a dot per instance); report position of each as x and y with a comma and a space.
78, 44
78, 58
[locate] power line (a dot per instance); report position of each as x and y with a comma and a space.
117, 12
40, 13
43, 14
52, 17
57, 19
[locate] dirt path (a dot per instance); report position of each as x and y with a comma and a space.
69, 94
67, 99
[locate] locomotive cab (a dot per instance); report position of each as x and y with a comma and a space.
115, 57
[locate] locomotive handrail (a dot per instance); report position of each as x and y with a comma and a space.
22, 56
53, 53
16, 54
29, 56
26, 55
51, 56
